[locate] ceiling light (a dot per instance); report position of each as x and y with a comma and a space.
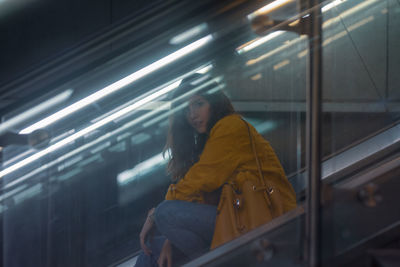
191, 33
100, 139
86, 130
332, 5
26, 115
270, 7
257, 42
118, 85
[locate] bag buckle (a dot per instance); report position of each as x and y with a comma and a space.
269, 190
237, 203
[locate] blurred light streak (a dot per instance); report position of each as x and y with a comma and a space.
349, 29
281, 64
340, 34
12, 192
90, 160
26, 115
88, 145
205, 69
349, 12
360, 23
69, 163
154, 105
276, 50
257, 42
216, 89
92, 127
18, 157
270, 7
326, 24
32, 150
158, 105
141, 169
294, 23
140, 138
183, 105
266, 126
69, 174
164, 116
332, 5
302, 53
100, 147
261, 40
191, 33
119, 84
123, 136
62, 136
28, 193
256, 77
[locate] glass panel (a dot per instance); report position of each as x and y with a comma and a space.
82, 198
361, 116
359, 85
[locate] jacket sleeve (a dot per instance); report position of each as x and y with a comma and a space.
217, 163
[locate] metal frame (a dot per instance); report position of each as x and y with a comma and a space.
246, 238
313, 136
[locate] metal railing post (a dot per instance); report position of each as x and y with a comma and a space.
313, 135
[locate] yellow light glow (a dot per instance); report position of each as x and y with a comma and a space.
270, 7
281, 64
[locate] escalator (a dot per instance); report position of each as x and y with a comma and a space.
360, 214
81, 199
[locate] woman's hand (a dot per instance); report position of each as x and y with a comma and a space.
148, 225
165, 255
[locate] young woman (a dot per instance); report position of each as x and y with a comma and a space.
208, 143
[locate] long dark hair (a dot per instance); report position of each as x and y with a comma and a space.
183, 143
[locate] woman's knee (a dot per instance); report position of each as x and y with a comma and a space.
165, 211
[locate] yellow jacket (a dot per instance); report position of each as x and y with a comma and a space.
228, 153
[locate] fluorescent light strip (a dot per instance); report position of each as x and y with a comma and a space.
181, 106
98, 140
141, 169
32, 150
152, 105
349, 12
106, 120
270, 7
183, 37
257, 42
281, 64
164, 116
276, 50
92, 127
205, 69
301, 38
118, 85
26, 115
261, 40
332, 5
12, 192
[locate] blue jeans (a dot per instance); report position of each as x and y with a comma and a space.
188, 226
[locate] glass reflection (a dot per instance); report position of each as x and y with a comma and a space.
213, 153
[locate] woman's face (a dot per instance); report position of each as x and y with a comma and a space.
198, 113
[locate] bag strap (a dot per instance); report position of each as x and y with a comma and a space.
253, 147
268, 190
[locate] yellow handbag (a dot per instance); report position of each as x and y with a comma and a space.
246, 205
